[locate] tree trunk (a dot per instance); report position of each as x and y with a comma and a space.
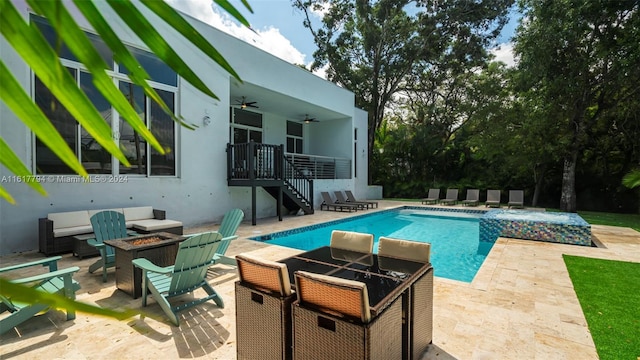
568, 197
539, 179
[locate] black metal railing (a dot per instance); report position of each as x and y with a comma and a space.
297, 182
255, 161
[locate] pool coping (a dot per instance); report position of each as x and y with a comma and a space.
274, 235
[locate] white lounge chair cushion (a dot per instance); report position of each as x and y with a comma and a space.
353, 241
69, 219
73, 230
404, 249
138, 213
154, 224
249, 271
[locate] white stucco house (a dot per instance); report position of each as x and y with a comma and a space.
252, 148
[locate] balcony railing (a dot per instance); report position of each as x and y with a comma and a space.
321, 167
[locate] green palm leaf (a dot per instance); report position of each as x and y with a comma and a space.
122, 55
632, 179
43, 60
82, 48
155, 41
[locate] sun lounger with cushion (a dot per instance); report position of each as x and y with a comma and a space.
341, 199
516, 199
433, 197
351, 198
329, 204
451, 198
473, 196
493, 198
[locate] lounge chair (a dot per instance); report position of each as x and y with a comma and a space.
493, 198
433, 197
352, 198
340, 199
189, 273
451, 198
53, 282
516, 199
328, 203
107, 225
473, 196
228, 227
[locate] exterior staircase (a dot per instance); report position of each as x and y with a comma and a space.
264, 165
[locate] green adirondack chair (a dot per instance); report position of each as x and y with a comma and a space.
54, 282
188, 274
107, 225
230, 223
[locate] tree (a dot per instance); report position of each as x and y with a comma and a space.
29, 43
581, 60
373, 47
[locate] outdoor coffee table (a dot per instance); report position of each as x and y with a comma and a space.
386, 280
160, 248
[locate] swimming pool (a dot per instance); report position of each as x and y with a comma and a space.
456, 252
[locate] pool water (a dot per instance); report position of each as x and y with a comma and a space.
456, 252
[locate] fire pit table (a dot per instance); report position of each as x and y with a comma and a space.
160, 248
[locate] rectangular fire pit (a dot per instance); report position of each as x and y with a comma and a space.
159, 248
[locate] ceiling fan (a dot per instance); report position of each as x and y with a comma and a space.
307, 119
244, 104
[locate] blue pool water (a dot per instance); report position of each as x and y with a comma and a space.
456, 252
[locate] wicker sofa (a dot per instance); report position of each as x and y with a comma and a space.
57, 231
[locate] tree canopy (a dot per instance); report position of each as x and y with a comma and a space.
563, 122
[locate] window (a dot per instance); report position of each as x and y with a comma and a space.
294, 137
144, 160
246, 126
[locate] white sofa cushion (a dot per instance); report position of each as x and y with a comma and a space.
153, 224
93, 212
72, 230
138, 213
69, 219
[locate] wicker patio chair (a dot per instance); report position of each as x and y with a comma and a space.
332, 320
421, 299
263, 309
354, 241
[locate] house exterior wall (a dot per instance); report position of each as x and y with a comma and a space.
199, 193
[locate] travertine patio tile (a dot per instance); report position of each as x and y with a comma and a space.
521, 305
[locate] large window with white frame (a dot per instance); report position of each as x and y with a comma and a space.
144, 160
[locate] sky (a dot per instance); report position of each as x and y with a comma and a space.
278, 28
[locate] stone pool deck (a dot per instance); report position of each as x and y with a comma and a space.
521, 305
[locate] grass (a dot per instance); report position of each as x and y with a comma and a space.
601, 218
608, 294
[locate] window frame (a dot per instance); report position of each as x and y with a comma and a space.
117, 78
295, 138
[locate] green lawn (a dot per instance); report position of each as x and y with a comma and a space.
609, 294
601, 218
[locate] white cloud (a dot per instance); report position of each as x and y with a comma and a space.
504, 53
269, 39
